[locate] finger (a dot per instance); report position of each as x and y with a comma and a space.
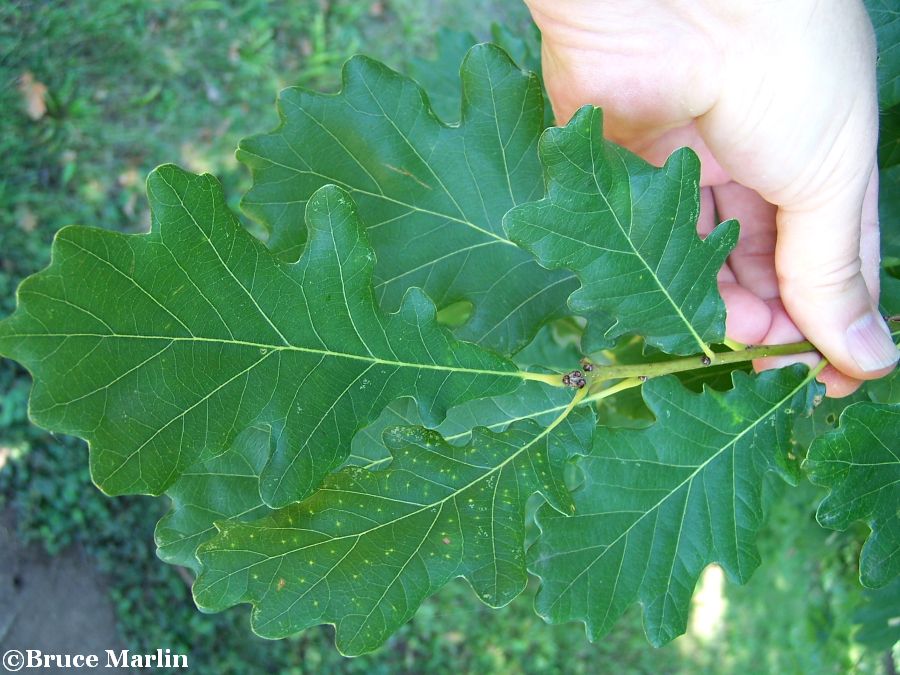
747, 316
655, 146
816, 173
869, 239
753, 259
706, 221
820, 269
782, 331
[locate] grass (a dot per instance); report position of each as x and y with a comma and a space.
132, 84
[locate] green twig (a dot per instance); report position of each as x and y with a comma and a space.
647, 370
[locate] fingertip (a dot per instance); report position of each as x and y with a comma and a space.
837, 385
748, 317
870, 344
810, 359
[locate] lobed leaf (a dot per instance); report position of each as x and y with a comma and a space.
225, 487
160, 349
660, 503
369, 547
860, 462
531, 401
432, 196
439, 76
628, 230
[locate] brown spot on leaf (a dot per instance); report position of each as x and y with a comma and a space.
408, 174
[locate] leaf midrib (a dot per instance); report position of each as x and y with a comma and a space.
700, 342
290, 348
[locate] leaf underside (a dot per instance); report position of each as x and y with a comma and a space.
369, 547
439, 76
431, 196
160, 349
659, 504
225, 488
533, 400
628, 230
269, 393
860, 462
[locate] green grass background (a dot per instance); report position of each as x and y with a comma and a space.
131, 85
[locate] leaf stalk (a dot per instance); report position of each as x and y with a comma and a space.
644, 371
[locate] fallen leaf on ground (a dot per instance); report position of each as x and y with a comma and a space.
33, 96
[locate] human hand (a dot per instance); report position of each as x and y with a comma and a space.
778, 99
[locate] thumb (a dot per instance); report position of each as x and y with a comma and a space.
824, 259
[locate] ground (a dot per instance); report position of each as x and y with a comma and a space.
56, 604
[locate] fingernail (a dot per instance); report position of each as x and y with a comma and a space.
870, 343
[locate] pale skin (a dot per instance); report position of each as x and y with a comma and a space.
779, 101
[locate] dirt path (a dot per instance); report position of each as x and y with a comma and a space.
58, 605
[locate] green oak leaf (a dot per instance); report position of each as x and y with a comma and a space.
886, 21
822, 419
523, 46
659, 504
885, 389
889, 301
889, 214
439, 76
600, 332
525, 49
366, 549
431, 196
225, 487
878, 618
531, 401
628, 230
555, 347
860, 462
889, 138
159, 349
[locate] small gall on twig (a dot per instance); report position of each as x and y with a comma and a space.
574, 379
